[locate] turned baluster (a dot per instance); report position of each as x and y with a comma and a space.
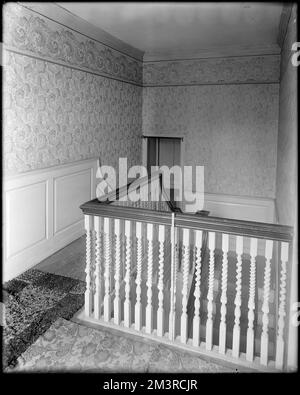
127, 302
160, 286
197, 292
98, 269
107, 259
264, 344
251, 301
149, 308
238, 299
138, 305
222, 333
210, 293
185, 272
88, 296
172, 314
282, 302
117, 299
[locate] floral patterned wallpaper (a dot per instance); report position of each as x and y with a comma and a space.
286, 187
55, 114
210, 71
230, 129
228, 110
27, 31
93, 104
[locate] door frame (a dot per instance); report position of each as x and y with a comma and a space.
169, 135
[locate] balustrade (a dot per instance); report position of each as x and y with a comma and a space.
233, 314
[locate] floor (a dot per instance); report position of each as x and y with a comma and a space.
33, 301
57, 342
68, 262
67, 346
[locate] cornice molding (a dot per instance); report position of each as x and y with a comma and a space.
283, 25
60, 15
217, 52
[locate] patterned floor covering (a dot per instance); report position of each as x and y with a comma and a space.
68, 346
33, 301
38, 336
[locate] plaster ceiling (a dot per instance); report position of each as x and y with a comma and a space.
165, 27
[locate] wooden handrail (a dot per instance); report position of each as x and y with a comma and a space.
259, 230
103, 209
236, 227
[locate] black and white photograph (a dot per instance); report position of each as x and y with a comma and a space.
149, 190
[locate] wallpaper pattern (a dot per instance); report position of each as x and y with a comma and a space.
25, 30
211, 71
230, 129
54, 114
286, 188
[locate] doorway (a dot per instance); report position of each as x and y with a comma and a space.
164, 151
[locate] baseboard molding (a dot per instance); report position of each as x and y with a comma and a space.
41, 213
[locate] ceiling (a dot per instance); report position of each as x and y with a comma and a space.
169, 27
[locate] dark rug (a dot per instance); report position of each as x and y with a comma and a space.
33, 301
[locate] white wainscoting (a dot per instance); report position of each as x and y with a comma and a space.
42, 214
238, 207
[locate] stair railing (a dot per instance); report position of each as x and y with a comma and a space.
226, 298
